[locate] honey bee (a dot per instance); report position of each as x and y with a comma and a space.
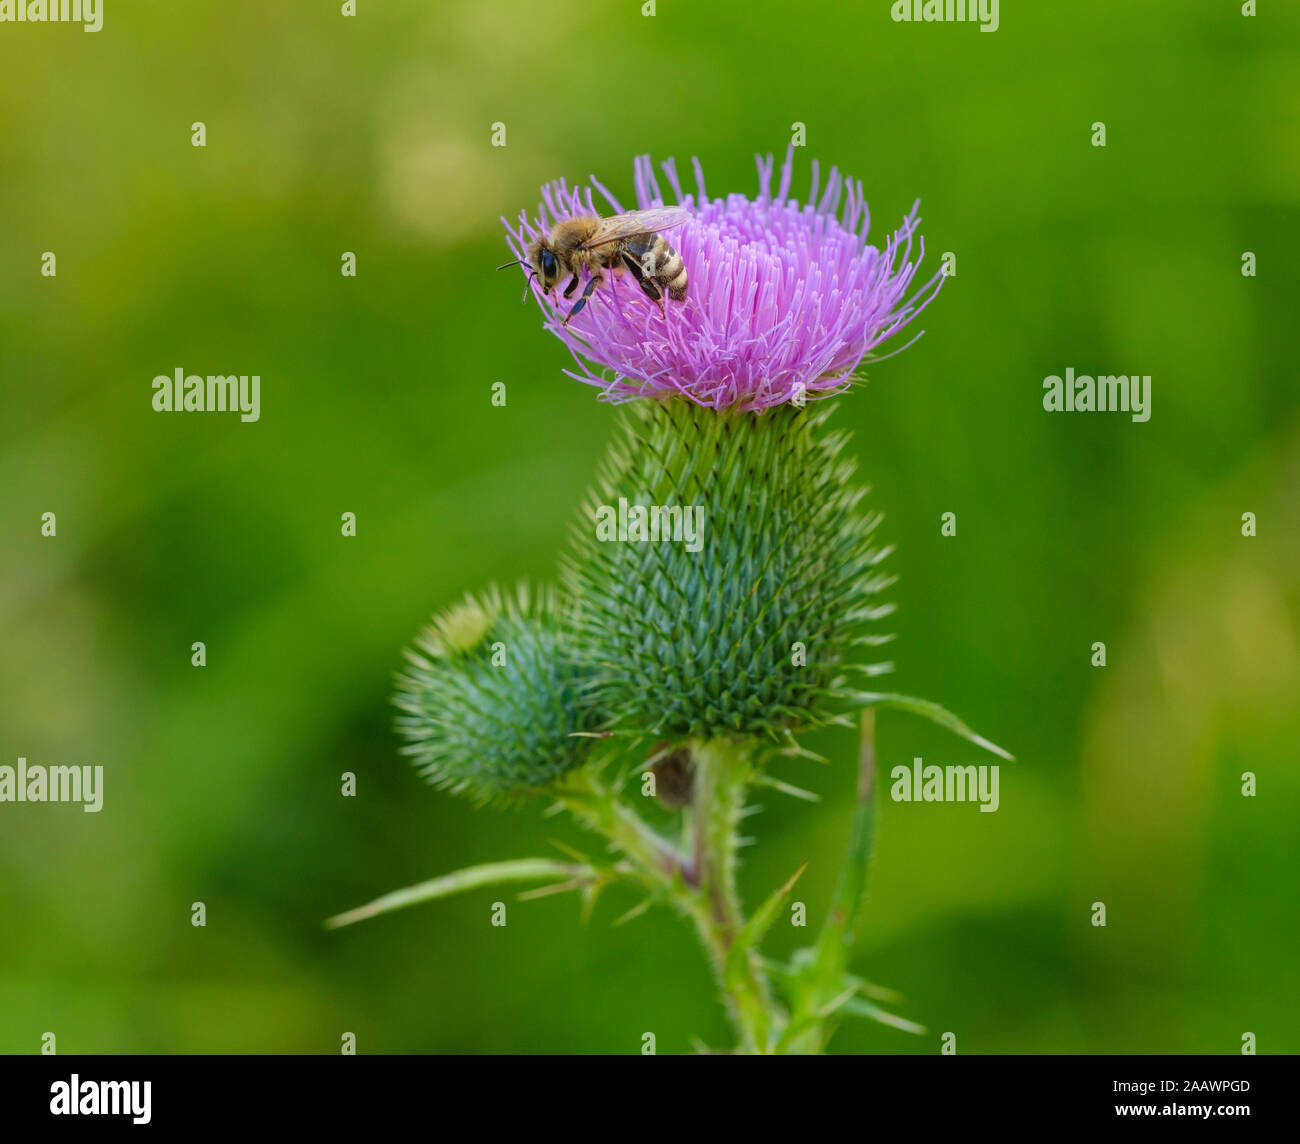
627, 241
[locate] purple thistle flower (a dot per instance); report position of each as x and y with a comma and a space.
783, 299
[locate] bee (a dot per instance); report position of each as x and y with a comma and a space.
624, 242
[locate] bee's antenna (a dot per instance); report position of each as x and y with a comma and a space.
516, 262
531, 276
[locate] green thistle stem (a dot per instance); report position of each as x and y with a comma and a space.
701, 887
598, 808
722, 769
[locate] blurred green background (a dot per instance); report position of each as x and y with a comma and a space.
371, 134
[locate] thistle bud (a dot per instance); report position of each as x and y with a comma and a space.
490, 698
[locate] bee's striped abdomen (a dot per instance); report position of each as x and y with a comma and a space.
672, 273
660, 263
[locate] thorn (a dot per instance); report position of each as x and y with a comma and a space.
635, 912
569, 850
786, 788
794, 878
590, 893
547, 891
835, 1002
794, 750
659, 756
879, 992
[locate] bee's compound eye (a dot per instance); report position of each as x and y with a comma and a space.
548, 264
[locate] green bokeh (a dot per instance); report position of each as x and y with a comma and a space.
328, 134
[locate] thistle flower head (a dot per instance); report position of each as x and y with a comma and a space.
490, 700
757, 634
785, 299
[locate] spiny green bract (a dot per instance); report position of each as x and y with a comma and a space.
750, 635
491, 698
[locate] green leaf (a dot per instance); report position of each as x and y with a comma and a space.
751, 933
851, 890
932, 711
471, 878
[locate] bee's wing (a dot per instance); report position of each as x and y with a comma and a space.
637, 222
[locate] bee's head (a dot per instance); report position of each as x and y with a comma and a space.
544, 264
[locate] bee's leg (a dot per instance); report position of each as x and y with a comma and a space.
571, 287
595, 281
653, 292
648, 286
